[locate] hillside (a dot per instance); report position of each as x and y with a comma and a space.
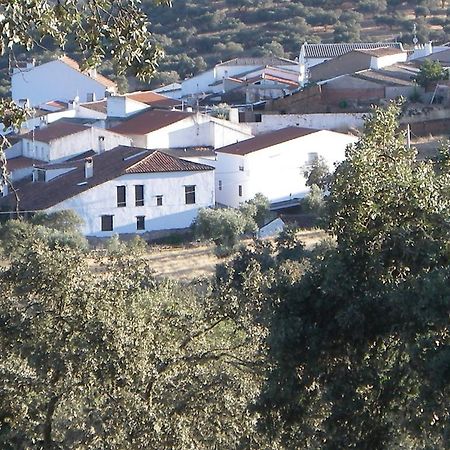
209, 31
198, 33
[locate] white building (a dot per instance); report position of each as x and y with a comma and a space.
313, 54
60, 79
274, 163
62, 140
124, 190
56, 142
211, 81
177, 129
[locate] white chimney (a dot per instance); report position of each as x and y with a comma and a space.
101, 144
88, 167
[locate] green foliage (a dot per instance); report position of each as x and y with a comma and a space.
116, 30
289, 245
111, 359
431, 71
15, 235
318, 173
66, 220
223, 226
314, 201
359, 342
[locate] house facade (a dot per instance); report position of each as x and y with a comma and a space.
124, 190
60, 79
274, 163
177, 129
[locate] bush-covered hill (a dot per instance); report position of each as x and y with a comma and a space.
198, 33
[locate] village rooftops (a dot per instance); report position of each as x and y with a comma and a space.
148, 121
327, 51
107, 166
266, 140
54, 131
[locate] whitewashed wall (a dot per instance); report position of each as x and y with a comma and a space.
68, 146
197, 130
174, 213
276, 171
122, 106
54, 80
325, 121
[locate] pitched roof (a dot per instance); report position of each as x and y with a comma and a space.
338, 49
381, 51
266, 140
259, 61
21, 162
153, 99
109, 165
53, 131
148, 121
98, 77
99, 106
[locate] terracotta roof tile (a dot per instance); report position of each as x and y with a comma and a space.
148, 121
159, 161
22, 162
153, 99
266, 140
53, 131
381, 51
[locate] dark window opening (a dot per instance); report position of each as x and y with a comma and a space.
140, 222
159, 200
121, 196
139, 195
240, 191
189, 193
107, 223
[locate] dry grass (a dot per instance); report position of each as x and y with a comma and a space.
188, 263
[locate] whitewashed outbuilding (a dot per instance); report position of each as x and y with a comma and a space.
124, 190
274, 163
60, 79
178, 129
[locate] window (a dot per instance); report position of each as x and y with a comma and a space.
240, 191
189, 193
107, 223
139, 194
39, 175
121, 196
220, 185
159, 200
312, 158
140, 222
241, 168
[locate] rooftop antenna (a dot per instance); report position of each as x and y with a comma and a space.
415, 40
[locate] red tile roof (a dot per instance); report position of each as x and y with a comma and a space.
53, 131
22, 162
99, 106
153, 99
266, 140
109, 165
162, 162
148, 121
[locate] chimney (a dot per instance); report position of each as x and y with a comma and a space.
88, 167
101, 144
